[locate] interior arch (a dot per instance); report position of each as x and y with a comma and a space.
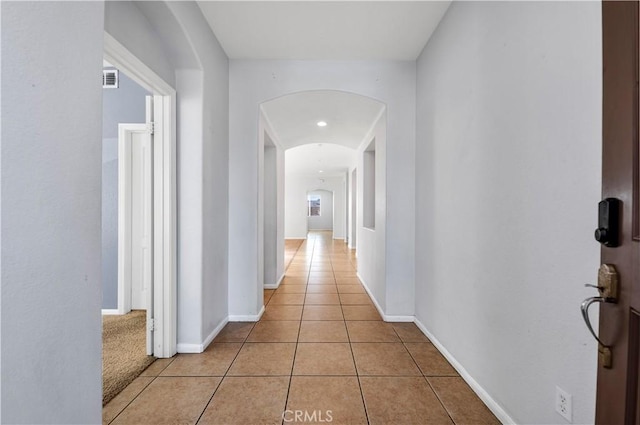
317, 157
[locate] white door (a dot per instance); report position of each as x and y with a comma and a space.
135, 196
141, 220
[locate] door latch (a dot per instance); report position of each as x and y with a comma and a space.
608, 288
608, 283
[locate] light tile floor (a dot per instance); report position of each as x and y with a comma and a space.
320, 354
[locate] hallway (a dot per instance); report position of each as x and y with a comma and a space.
320, 349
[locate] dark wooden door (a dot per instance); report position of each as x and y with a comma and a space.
617, 391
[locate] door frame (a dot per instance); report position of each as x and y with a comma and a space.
164, 194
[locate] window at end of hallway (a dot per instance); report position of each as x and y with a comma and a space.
313, 206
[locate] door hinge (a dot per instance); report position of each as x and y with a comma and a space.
151, 325
151, 127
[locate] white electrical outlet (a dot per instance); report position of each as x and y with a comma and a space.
563, 403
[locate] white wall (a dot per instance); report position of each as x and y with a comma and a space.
214, 116
372, 267
297, 187
508, 179
254, 82
51, 251
325, 220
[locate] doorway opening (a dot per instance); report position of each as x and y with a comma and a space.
139, 219
126, 230
157, 253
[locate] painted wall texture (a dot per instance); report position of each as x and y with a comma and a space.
50, 172
508, 156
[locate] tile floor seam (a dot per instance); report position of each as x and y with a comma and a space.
353, 357
295, 351
439, 399
145, 387
412, 358
131, 401
209, 402
225, 374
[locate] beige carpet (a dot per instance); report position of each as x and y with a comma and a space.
124, 355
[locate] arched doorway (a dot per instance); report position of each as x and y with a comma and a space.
321, 137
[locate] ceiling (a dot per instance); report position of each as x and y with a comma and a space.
295, 117
321, 160
323, 30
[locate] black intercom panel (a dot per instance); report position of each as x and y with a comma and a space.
608, 229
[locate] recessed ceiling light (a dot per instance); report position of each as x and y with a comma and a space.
321, 171
322, 124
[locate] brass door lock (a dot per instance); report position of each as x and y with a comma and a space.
608, 288
607, 283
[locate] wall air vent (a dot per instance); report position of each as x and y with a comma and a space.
109, 78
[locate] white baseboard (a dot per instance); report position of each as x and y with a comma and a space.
214, 333
385, 317
189, 348
199, 348
497, 410
391, 318
246, 318
110, 311
275, 285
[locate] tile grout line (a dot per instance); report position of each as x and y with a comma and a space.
423, 376
141, 391
131, 401
295, 351
355, 365
439, 399
226, 372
